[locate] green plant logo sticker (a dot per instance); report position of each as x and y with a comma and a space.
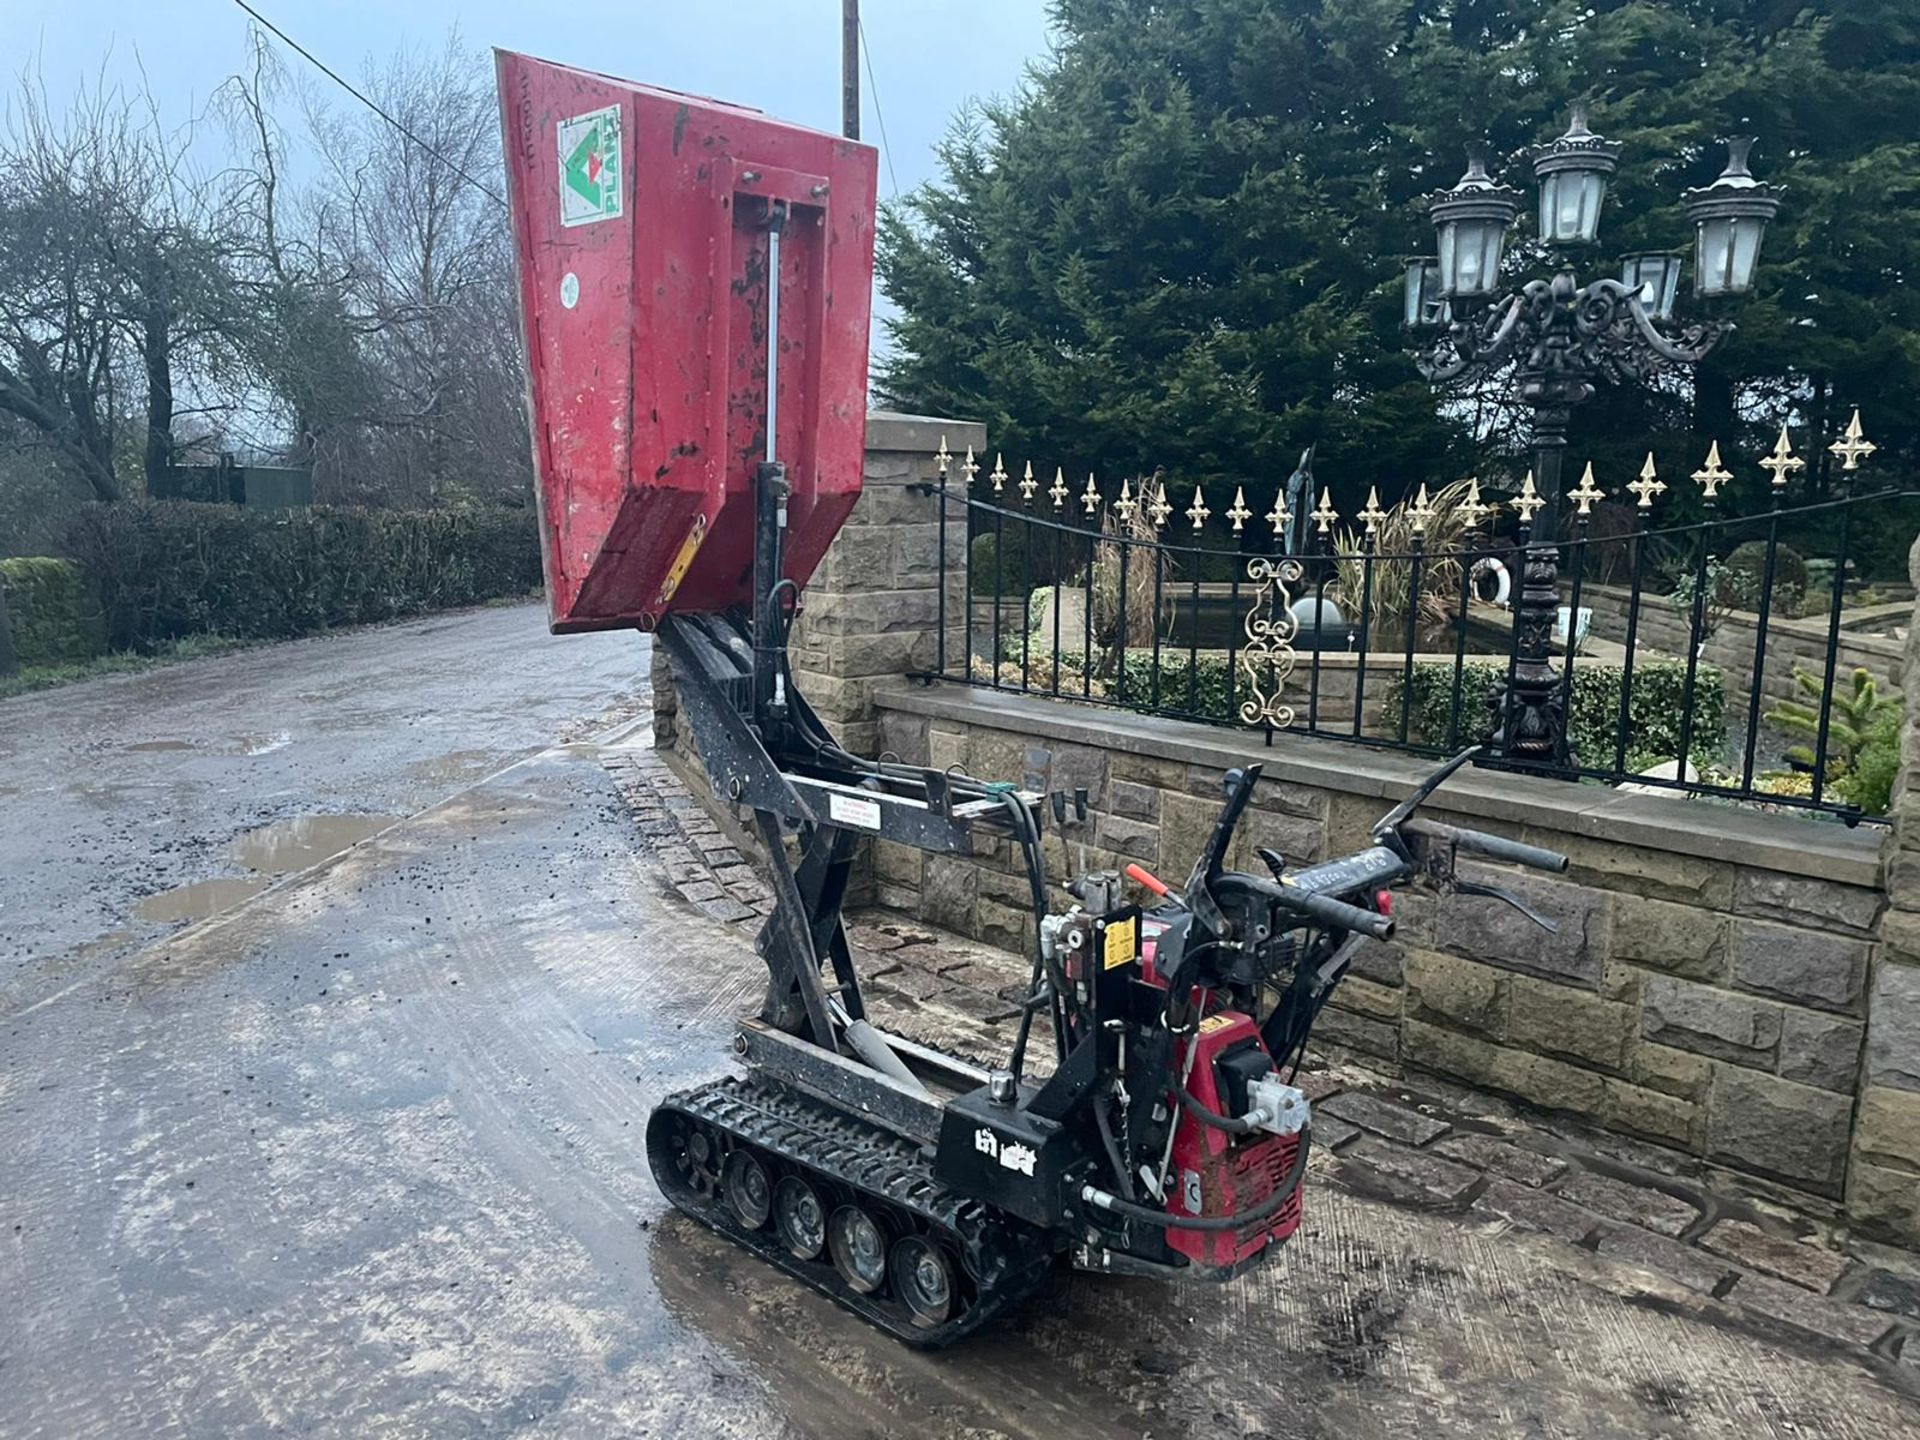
590, 167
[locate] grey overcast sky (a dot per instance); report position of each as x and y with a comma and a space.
782, 56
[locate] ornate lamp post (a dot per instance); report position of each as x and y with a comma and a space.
1563, 338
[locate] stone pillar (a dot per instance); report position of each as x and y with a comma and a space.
1883, 1181
872, 611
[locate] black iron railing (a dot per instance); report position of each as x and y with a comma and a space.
1746, 659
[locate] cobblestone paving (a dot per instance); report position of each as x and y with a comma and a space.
1425, 1143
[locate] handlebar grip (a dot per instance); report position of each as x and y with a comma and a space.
1494, 847
1335, 913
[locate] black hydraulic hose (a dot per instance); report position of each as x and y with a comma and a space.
1029, 837
1265, 1210
1205, 1116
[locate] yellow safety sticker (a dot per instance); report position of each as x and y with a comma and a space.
1216, 1022
683, 561
1123, 942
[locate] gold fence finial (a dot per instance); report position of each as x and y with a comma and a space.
1279, 515
1528, 502
1198, 511
1158, 508
1324, 514
1238, 511
1712, 475
998, 474
1028, 484
1058, 490
1421, 512
1125, 506
1371, 514
1854, 446
1782, 462
969, 467
1586, 492
1473, 509
1648, 485
942, 458
1090, 497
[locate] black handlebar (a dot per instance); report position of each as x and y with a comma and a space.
1335, 914
1494, 847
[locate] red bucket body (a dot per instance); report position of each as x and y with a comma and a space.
639, 221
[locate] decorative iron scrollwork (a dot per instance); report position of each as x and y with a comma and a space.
1268, 656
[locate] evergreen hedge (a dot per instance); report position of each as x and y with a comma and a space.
56, 619
164, 570
1654, 710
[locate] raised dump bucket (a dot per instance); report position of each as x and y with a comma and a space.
640, 221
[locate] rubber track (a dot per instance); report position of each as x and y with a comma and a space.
1007, 1258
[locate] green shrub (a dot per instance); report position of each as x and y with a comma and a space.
55, 616
1869, 781
1206, 693
1743, 577
163, 570
1654, 714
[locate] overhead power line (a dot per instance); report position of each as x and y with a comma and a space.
873, 86
321, 66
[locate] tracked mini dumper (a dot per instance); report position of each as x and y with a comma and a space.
694, 287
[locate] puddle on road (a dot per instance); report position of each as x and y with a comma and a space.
144, 747
289, 845
202, 898
271, 851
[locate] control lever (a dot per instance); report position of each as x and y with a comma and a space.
1493, 892
1275, 861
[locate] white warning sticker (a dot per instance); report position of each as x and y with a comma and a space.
851, 810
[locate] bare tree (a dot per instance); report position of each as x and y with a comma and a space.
432, 276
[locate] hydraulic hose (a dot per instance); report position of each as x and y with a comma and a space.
1207, 1117
1265, 1210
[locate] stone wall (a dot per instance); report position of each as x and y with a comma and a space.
1707, 989
1790, 643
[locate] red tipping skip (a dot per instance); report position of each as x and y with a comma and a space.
640, 226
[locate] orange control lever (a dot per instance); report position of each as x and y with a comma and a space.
1149, 879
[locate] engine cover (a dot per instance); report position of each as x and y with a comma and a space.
1214, 1173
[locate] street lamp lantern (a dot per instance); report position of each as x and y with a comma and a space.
1730, 216
1556, 340
1573, 172
1471, 221
1654, 276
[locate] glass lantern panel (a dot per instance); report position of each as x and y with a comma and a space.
1746, 254
1449, 249
1570, 206
1416, 273
1713, 260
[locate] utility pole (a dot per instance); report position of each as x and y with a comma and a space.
850, 69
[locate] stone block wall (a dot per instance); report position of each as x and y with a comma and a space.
1707, 988
1791, 644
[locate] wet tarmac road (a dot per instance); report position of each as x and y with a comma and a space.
220, 774
362, 1157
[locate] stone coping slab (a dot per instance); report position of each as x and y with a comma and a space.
1792, 844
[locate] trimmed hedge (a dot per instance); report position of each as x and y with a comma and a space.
164, 570
56, 620
1654, 711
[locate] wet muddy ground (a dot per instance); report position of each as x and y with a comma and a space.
132, 803
362, 1157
